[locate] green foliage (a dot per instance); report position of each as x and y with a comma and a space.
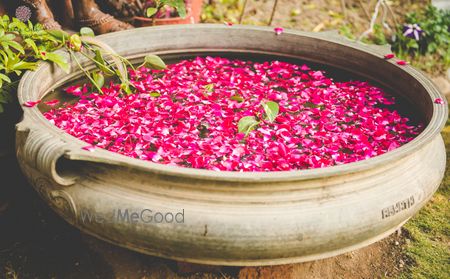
86, 31
271, 109
22, 46
246, 124
435, 39
209, 87
154, 62
151, 11
221, 10
238, 98
179, 5
377, 37
346, 31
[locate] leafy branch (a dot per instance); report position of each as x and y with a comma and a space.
24, 45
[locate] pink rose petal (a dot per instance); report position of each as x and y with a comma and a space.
89, 148
52, 103
402, 62
439, 101
30, 104
189, 116
278, 30
389, 56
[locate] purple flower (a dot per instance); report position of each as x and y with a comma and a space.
23, 13
412, 31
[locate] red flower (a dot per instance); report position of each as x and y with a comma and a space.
389, 56
402, 62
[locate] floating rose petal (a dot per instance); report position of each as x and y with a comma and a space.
439, 101
227, 23
278, 30
89, 148
30, 104
402, 62
389, 56
52, 103
187, 115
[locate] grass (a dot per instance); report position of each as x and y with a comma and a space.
429, 231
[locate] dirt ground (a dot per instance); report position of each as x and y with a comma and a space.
314, 15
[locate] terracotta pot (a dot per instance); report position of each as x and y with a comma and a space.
236, 218
193, 12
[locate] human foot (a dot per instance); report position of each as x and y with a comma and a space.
43, 14
89, 15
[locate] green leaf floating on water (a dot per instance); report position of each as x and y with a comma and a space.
237, 98
154, 62
271, 109
246, 124
209, 87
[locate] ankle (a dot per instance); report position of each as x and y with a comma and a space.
85, 9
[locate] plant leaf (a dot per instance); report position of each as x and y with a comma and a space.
58, 60
246, 124
101, 64
86, 31
32, 44
209, 87
237, 98
99, 79
151, 12
59, 34
154, 62
5, 78
178, 5
271, 109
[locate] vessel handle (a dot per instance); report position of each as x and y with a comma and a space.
41, 150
